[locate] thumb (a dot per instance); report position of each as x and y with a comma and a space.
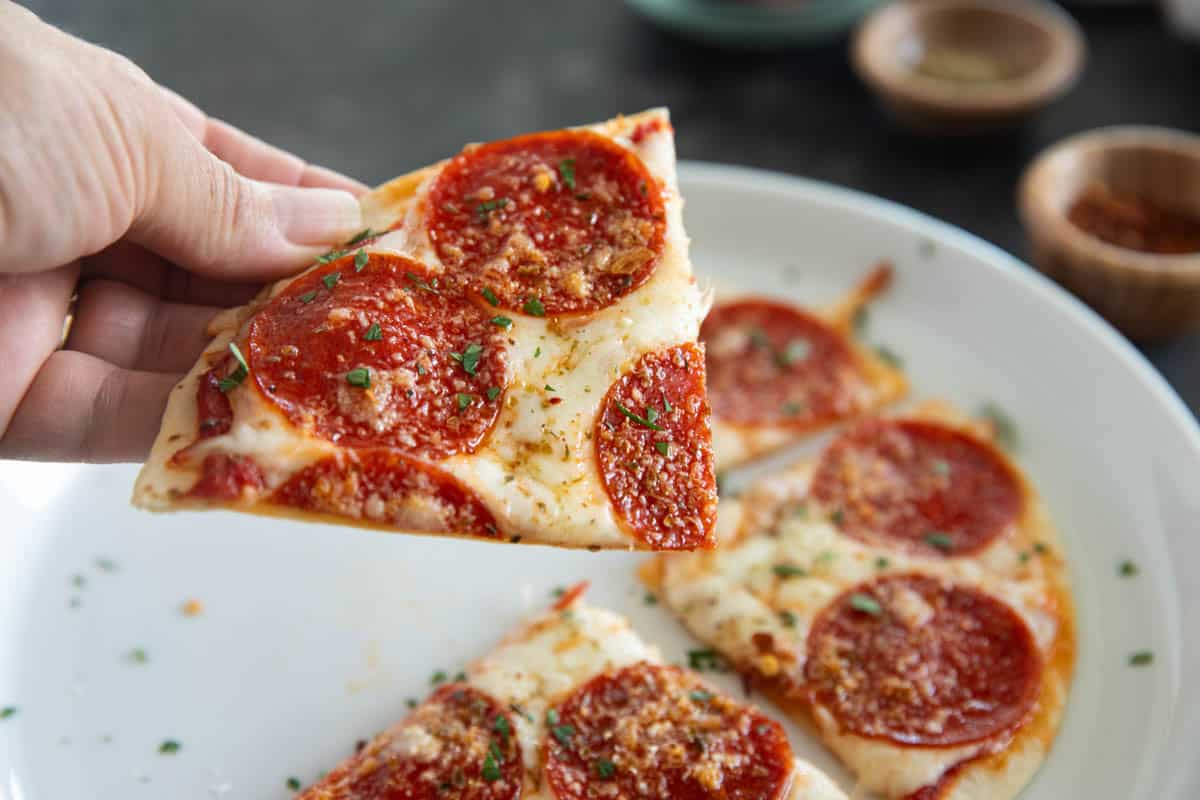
198, 212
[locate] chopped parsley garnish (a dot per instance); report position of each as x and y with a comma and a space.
537, 352
411, 702
331, 280
566, 168
503, 322
789, 571
646, 421
792, 409
362, 236
516, 709
332, 255
360, 377
469, 358
138, 656
861, 317
502, 727
563, 733
1006, 430
866, 604
939, 540
533, 307
552, 716
235, 378
796, 350
307, 297
664, 448
549, 388
706, 659
837, 516
889, 356
8, 711
941, 467
483, 209
170, 747
78, 581
491, 769
438, 677
667, 407
464, 400
558, 591
293, 784
1040, 548
459, 677
787, 618
882, 563
490, 296
374, 333
106, 565
1127, 569
701, 696
493, 392
1024, 556
604, 768
361, 260
650, 599
421, 284
1141, 658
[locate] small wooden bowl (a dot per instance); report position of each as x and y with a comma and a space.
1148, 296
1036, 50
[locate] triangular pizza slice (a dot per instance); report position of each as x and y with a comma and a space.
509, 353
575, 705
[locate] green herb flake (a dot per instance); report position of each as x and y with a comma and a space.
420, 284
490, 296
464, 400
469, 358
706, 659
650, 599
551, 716
787, 618
533, 307
1142, 658
362, 236
792, 409
170, 747
360, 260
537, 352
664, 448
563, 734
411, 702
235, 378
331, 280
866, 604
667, 407
8, 712
502, 727
484, 209
786, 571
882, 563
701, 696
374, 333
643, 421
861, 317
1024, 556
437, 677
360, 377
502, 322
516, 709
889, 356
837, 517
491, 769
566, 168
558, 591
941, 467
78, 581
1040, 548
293, 784
138, 656
493, 392
1002, 424
795, 350
332, 255
1127, 569
549, 388
106, 565
604, 768
939, 540
308, 297
460, 676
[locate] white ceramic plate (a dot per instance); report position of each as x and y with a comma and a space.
312, 637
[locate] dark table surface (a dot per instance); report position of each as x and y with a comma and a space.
376, 88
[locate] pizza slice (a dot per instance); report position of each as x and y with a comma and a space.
574, 706
777, 373
509, 353
907, 595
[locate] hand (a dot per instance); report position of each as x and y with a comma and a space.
157, 216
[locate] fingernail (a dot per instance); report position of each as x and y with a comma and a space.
315, 216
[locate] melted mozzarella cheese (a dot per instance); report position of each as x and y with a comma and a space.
539, 665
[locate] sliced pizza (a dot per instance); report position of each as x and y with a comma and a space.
509, 352
777, 373
907, 595
575, 706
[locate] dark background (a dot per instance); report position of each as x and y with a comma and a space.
375, 89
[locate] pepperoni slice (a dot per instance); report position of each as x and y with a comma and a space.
214, 414
384, 486
654, 448
381, 355
772, 364
569, 220
226, 477
920, 661
459, 744
652, 731
930, 488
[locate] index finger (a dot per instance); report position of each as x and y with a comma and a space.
253, 157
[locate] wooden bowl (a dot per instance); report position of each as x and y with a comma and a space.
1148, 296
955, 67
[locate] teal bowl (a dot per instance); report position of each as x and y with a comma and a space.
750, 26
